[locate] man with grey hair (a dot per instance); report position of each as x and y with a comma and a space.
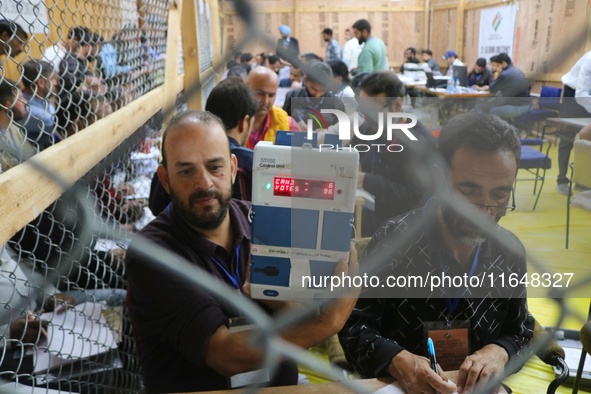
476, 330
183, 330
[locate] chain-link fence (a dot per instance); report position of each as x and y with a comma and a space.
63, 285
66, 66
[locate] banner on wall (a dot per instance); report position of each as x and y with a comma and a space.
497, 28
25, 13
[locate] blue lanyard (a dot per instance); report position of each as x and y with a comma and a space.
318, 103
452, 303
235, 279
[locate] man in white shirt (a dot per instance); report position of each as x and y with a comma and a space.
351, 50
55, 54
577, 82
452, 60
576, 103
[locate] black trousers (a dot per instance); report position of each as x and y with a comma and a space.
569, 109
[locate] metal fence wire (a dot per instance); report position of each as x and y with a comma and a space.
72, 63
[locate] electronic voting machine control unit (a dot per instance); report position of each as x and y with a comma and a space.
303, 206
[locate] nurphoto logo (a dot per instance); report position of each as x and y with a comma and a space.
391, 119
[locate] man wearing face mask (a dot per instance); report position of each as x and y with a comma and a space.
476, 330
391, 176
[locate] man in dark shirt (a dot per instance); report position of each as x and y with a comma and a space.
235, 104
480, 76
511, 87
40, 83
314, 95
486, 327
182, 330
288, 47
391, 176
73, 69
427, 56
410, 60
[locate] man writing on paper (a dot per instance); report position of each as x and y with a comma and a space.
476, 331
24, 290
182, 330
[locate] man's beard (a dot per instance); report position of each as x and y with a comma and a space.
460, 228
210, 218
18, 115
263, 110
361, 40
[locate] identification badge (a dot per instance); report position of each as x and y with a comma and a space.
451, 340
246, 378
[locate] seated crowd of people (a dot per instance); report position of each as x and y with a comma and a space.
79, 80
84, 66
201, 194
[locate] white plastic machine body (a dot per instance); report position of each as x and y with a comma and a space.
303, 207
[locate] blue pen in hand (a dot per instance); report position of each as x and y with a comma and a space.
432, 358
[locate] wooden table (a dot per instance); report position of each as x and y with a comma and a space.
573, 123
323, 388
330, 388
415, 84
441, 92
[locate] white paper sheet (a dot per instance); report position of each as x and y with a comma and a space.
76, 334
392, 388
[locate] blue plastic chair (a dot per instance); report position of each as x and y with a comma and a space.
549, 106
536, 162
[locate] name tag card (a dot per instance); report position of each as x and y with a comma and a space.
452, 342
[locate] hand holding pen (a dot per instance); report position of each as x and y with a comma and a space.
415, 375
432, 357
